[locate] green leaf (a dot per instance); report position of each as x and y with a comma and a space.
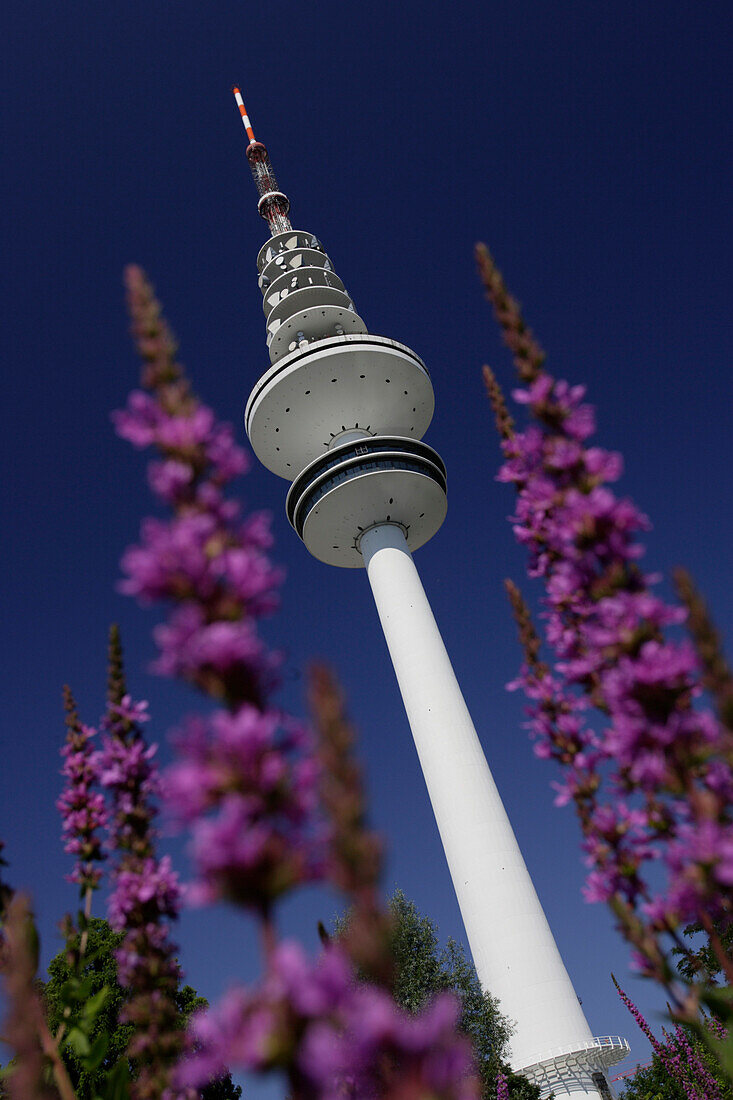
719, 1001
85, 987
68, 992
724, 1053
78, 1041
94, 1005
93, 953
33, 942
96, 1053
75, 989
117, 1083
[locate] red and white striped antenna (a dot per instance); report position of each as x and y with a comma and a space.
243, 113
273, 205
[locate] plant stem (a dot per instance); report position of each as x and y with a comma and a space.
87, 915
49, 1045
268, 936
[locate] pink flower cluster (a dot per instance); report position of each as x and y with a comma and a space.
650, 771
502, 1088
679, 1056
245, 783
671, 779
205, 559
124, 765
349, 1038
143, 898
189, 436
246, 778
82, 808
145, 893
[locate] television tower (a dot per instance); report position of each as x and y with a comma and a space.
341, 414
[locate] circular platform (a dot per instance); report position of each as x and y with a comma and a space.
314, 394
286, 242
357, 485
330, 313
288, 262
290, 281
577, 1069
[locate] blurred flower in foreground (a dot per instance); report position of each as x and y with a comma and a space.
649, 770
248, 777
334, 1035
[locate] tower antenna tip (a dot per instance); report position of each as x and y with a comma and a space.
243, 113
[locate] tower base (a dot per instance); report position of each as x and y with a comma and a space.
578, 1072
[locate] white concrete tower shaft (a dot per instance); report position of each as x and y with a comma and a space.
513, 948
340, 413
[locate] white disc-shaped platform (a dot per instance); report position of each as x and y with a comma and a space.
322, 320
291, 281
288, 241
289, 262
363, 483
578, 1071
312, 395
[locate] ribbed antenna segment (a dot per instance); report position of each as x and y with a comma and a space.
274, 204
243, 113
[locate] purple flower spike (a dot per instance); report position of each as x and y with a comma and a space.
347, 1035
679, 1057
650, 773
82, 809
146, 894
246, 783
204, 560
246, 778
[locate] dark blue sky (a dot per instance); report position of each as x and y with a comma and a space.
587, 143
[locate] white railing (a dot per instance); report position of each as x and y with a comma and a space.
604, 1044
611, 1041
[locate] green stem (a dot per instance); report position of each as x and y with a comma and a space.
87, 914
49, 1045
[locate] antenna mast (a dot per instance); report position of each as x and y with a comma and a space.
274, 204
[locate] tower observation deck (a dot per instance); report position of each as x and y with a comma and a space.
340, 413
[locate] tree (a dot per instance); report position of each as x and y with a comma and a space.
699, 960
423, 969
652, 1082
100, 966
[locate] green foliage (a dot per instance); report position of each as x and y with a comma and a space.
698, 962
652, 1082
94, 1048
423, 968
87, 1005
